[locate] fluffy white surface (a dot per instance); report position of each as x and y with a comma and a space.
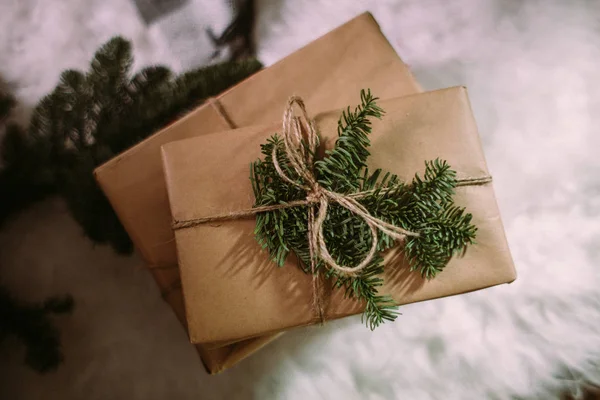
532, 72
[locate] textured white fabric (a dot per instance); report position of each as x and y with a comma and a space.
532, 73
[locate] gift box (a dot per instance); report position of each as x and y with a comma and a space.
233, 291
327, 72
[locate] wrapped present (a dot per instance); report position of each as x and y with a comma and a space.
232, 288
328, 73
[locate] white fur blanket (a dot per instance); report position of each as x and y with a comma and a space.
532, 72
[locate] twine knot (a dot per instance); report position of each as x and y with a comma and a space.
314, 196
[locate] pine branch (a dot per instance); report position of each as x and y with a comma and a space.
290, 225
90, 118
21, 181
425, 206
110, 67
31, 324
339, 171
28, 322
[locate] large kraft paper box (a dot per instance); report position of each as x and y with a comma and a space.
231, 288
328, 72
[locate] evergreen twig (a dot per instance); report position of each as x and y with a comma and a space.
425, 206
90, 118
31, 324
28, 322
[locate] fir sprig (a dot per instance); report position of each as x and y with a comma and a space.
31, 323
91, 117
340, 170
425, 205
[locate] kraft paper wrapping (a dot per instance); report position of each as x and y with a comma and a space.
328, 72
231, 289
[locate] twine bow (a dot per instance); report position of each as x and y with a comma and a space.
301, 158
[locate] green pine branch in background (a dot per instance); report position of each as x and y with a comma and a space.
91, 117
424, 205
30, 323
86, 120
16, 165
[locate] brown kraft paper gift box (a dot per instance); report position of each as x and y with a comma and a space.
328, 73
231, 289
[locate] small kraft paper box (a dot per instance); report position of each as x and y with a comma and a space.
328, 72
233, 290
